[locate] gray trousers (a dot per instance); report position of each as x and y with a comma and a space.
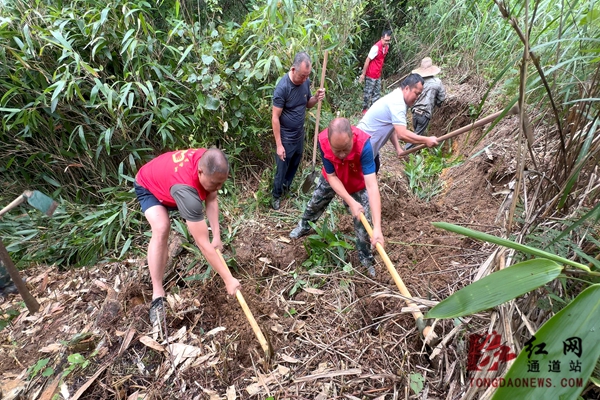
319, 201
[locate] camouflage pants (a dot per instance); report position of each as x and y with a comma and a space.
4, 277
319, 201
372, 92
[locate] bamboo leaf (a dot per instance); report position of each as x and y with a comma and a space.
570, 347
594, 213
58, 87
497, 288
185, 53
125, 248
507, 243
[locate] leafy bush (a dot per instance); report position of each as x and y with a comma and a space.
423, 171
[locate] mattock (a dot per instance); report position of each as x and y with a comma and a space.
264, 343
424, 329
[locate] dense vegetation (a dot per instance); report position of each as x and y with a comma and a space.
89, 91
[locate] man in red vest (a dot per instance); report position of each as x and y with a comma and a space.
182, 180
372, 70
349, 171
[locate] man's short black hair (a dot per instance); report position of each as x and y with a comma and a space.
411, 81
386, 32
301, 58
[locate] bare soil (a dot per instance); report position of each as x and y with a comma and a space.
345, 335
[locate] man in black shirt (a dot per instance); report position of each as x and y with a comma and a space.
290, 100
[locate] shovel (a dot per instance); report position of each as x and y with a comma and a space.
425, 329
476, 124
45, 204
266, 346
310, 179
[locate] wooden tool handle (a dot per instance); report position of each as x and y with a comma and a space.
13, 204
314, 157
249, 316
476, 124
426, 330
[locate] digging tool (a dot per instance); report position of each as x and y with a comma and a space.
44, 204
476, 124
425, 330
36, 199
266, 346
310, 179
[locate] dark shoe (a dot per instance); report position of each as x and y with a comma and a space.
158, 317
299, 231
276, 204
9, 289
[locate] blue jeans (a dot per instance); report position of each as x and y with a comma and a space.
286, 170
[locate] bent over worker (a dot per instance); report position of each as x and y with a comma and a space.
433, 95
386, 119
349, 171
182, 180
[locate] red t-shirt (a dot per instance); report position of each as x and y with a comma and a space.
170, 169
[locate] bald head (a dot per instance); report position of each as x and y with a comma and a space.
213, 170
340, 137
339, 126
213, 162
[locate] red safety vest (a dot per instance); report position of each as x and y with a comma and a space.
376, 64
169, 169
348, 170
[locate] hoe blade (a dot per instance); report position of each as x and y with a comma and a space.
41, 202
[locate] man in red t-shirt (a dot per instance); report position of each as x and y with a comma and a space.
182, 180
349, 171
371, 72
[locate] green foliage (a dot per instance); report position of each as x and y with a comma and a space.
423, 170
497, 288
507, 243
325, 248
76, 234
299, 283
40, 366
577, 321
416, 382
76, 361
561, 75
6, 316
91, 91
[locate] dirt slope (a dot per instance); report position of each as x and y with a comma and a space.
344, 336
